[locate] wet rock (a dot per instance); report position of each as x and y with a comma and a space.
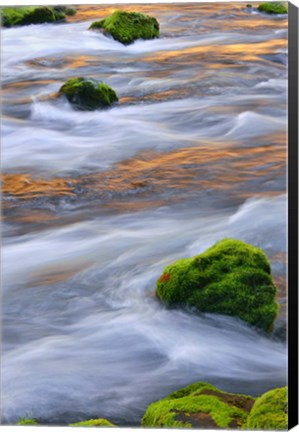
199, 405
269, 411
230, 278
88, 94
126, 27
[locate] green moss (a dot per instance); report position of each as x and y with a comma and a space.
27, 421
100, 422
88, 94
199, 405
30, 15
231, 278
269, 411
126, 27
273, 8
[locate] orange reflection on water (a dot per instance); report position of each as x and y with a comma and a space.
24, 186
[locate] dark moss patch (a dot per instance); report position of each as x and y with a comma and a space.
199, 405
100, 422
27, 421
66, 10
273, 8
88, 94
269, 411
126, 27
231, 278
19, 16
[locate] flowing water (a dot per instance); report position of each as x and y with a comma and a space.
96, 204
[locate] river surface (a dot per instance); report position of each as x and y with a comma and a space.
96, 204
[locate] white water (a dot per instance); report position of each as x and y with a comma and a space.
83, 335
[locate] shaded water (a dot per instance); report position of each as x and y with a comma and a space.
96, 204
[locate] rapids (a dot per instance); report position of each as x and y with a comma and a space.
195, 151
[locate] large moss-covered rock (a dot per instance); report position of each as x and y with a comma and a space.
273, 8
126, 27
100, 422
231, 278
269, 411
18, 16
201, 406
88, 94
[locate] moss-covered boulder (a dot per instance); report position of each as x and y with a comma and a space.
201, 406
269, 411
273, 8
100, 422
27, 421
231, 278
18, 16
126, 27
88, 94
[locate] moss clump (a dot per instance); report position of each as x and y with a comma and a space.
88, 94
27, 421
100, 422
126, 27
31, 15
269, 411
273, 8
231, 278
199, 405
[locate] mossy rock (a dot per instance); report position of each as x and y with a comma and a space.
19, 16
27, 421
88, 94
199, 405
100, 422
273, 8
230, 278
269, 411
126, 27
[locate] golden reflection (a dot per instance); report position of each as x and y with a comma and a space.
212, 166
24, 186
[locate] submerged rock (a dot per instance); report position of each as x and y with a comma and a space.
66, 10
100, 422
126, 27
88, 94
230, 278
273, 8
18, 16
269, 411
199, 405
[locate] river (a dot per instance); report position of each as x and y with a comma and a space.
96, 204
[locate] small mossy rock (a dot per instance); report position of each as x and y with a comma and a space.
30, 15
100, 422
199, 405
269, 411
88, 94
231, 278
126, 27
27, 421
273, 8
